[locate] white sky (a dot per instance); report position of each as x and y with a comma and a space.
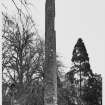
74, 19
85, 19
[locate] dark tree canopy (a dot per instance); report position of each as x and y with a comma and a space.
80, 62
93, 90
79, 52
86, 84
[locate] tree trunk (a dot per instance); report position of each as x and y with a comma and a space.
80, 82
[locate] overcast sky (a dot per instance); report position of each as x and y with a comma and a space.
74, 19
85, 19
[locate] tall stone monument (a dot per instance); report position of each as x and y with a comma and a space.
50, 77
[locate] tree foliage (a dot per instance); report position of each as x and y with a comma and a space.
86, 84
22, 57
81, 66
93, 90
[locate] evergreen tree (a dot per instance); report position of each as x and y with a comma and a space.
87, 84
80, 70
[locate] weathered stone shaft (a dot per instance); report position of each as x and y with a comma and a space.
50, 77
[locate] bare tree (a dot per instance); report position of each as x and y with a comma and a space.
22, 51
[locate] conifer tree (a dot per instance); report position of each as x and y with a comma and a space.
87, 85
80, 70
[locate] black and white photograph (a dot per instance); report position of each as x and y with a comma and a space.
52, 52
